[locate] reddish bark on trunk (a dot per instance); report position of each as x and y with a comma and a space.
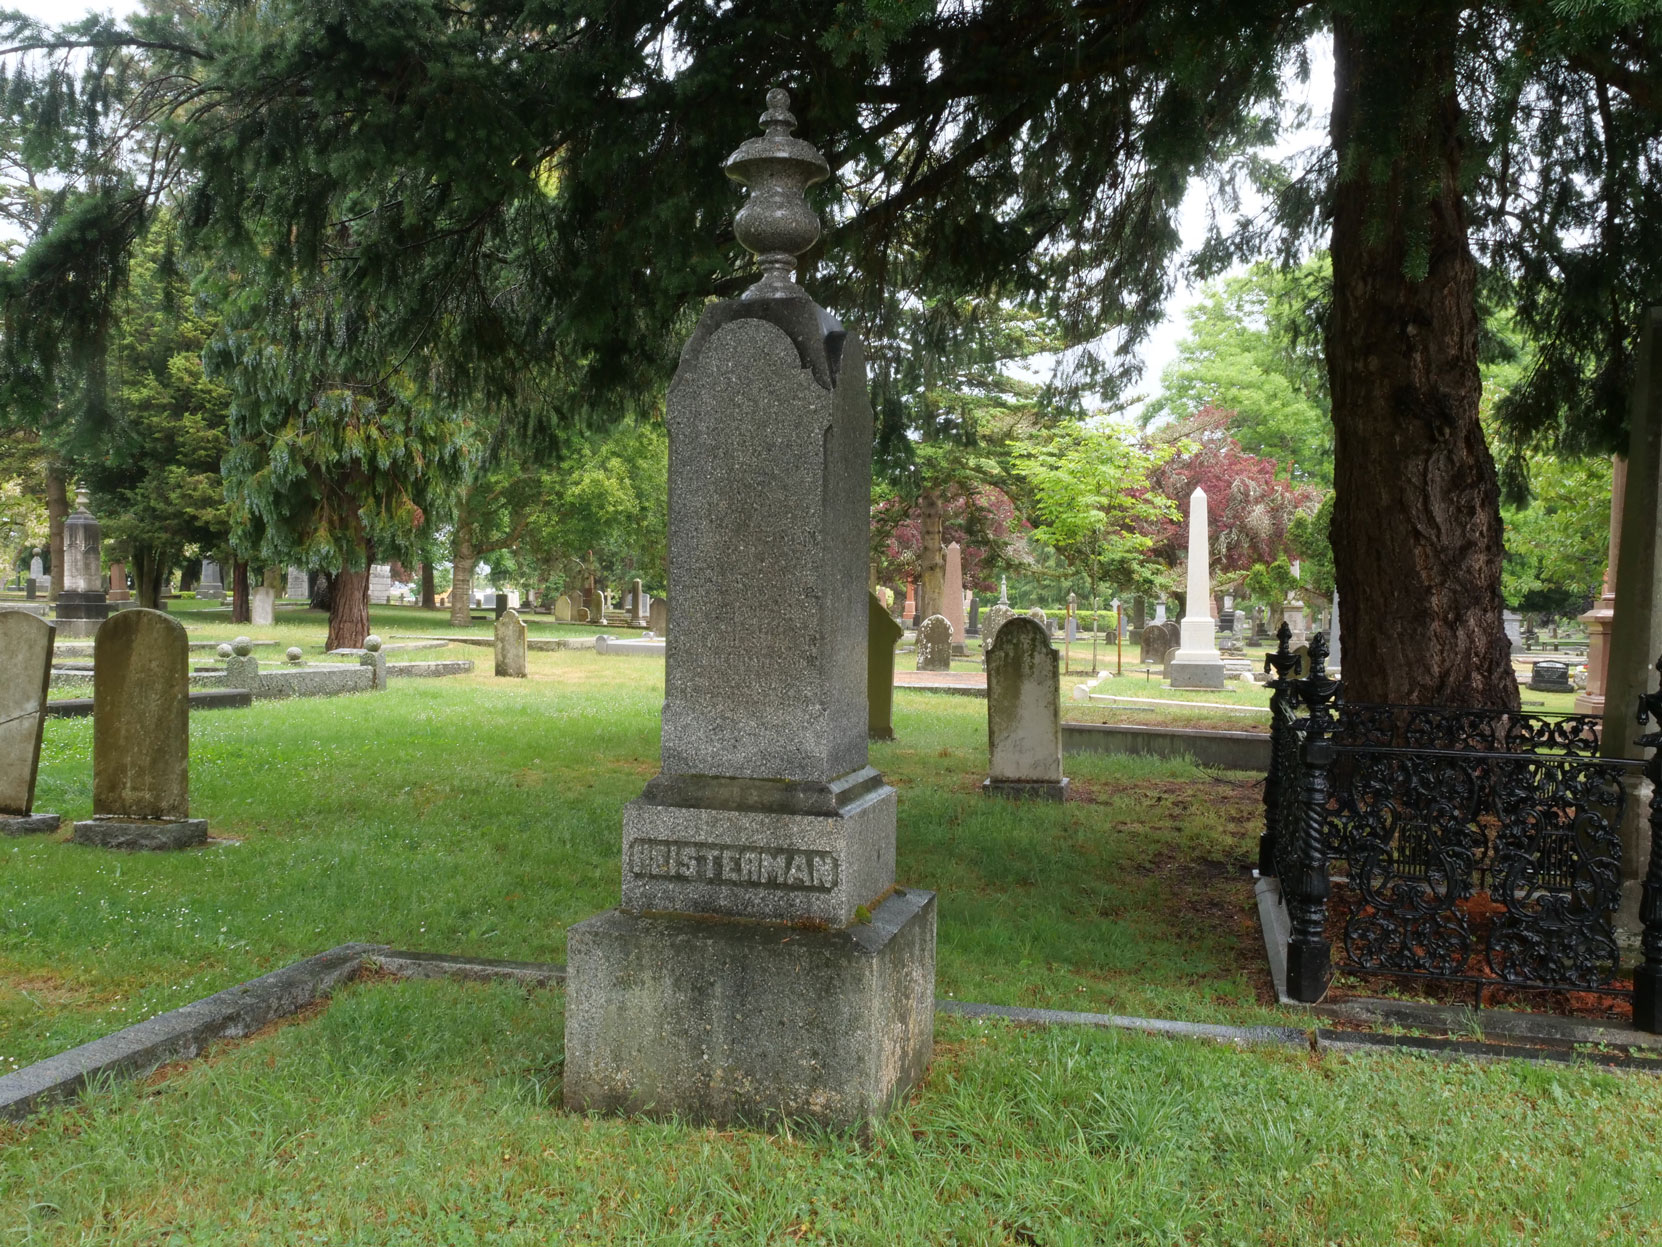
1416, 524
349, 610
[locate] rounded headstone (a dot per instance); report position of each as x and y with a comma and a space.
224, 650
242, 647
294, 653
372, 643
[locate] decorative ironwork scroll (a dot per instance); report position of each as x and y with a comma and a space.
1281, 664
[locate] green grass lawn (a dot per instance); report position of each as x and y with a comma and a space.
480, 816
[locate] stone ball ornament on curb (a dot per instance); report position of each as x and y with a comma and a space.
242, 647
762, 965
295, 654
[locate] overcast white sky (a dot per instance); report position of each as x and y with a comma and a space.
1161, 347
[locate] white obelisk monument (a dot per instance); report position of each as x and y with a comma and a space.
1197, 663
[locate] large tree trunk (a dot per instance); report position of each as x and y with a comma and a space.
57, 511
931, 557
149, 576
241, 611
349, 609
429, 598
1416, 522
461, 577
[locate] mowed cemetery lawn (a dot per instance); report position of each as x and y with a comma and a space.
481, 816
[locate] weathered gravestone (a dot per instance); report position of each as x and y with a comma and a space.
119, 592
1024, 715
380, 583
657, 617
883, 633
510, 645
83, 604
998, 615
935, 644
37, 569
1038, 616
211, 585
1551, 677
637, 606
141, 736
25, 672
562, 609
297, 588
1156, 641
262, 606
821, 1004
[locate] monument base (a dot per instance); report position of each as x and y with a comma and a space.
28, 824
1185, 672
141, 833
1026, 789
730, 1022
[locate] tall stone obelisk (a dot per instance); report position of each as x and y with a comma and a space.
1197, 663
762, 964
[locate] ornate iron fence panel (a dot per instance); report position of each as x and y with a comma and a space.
1423, 834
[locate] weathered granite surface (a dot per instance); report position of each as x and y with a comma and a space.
883, 633
28, 824
1024, 714
604, 644
429, 670
262, 606
25, 673
510, 645
141, 718
724, 1021
770, 468
999, 614
114, 832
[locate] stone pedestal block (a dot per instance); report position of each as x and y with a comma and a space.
1202, 673
725, 1021
79, 613
777, 864
115, 832
28, 824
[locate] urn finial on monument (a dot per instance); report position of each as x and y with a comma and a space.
776, 223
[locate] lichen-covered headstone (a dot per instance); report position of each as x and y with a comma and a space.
1024, 715
883, 633
141, 736
510, 645
1155, 643
297, 589
935, 644
25, 672
998, 615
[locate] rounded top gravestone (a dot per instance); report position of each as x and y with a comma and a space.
141, 716
1024, 715
935, 644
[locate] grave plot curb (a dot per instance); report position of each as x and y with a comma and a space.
239, 1011
181, 1033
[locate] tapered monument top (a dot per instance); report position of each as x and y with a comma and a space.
776, 222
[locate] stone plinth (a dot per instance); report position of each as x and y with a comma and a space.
25, 673
141, 736
723, 1021
1024, 715
761, 966
882, 635
510, 646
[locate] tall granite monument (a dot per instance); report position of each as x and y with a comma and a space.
1197, 662
83, 604
25, 673
762, 964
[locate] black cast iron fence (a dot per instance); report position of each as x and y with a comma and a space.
1467, 845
